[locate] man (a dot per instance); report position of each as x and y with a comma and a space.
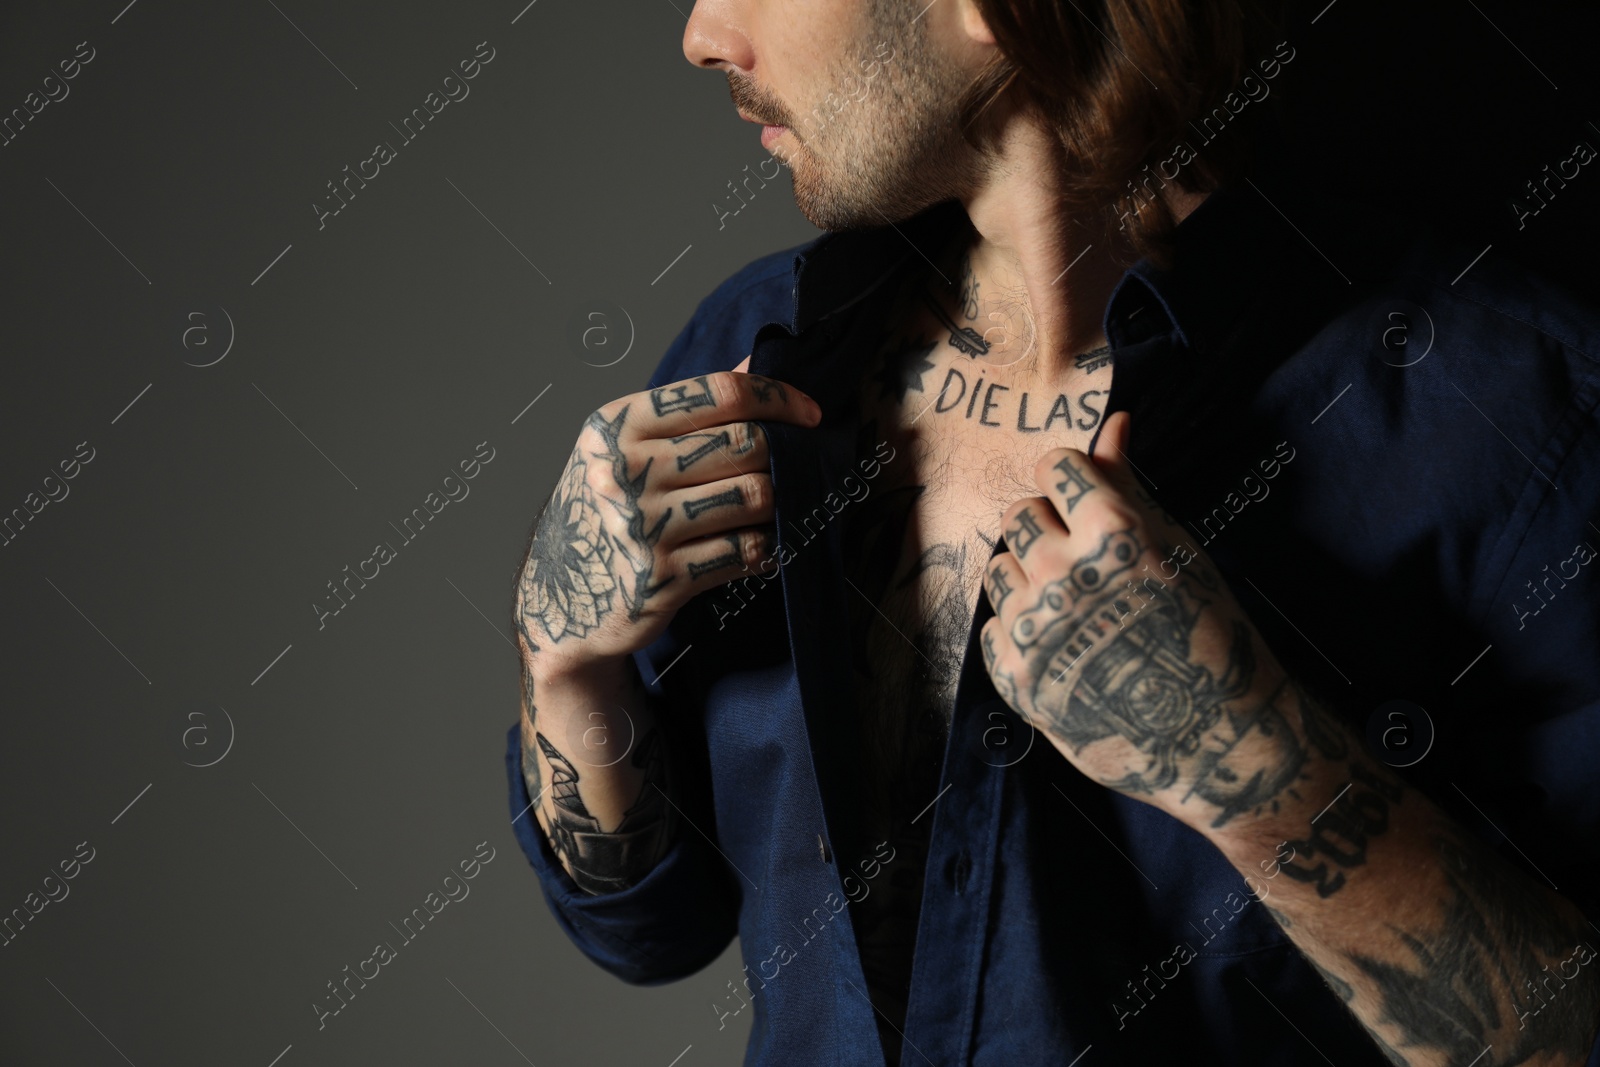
991, 611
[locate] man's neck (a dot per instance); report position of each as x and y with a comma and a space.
1033, 263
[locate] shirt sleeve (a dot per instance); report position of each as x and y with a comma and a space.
683, 914
673, 922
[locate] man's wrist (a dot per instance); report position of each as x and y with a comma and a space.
1292, 761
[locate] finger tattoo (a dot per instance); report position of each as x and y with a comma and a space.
1075, 480
1024, 533
675, 398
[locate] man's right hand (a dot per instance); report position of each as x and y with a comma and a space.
666, 494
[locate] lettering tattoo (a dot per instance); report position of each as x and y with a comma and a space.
719, 441
1074, 478
605, 861
728, 560
1462, 987
1021, 536
987, 405
999, 587
671, 399
733, 497
1339, 834
714, 442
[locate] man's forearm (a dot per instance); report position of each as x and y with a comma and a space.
1444, 951
596, 773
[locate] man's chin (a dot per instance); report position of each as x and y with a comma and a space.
827, 210
835, 217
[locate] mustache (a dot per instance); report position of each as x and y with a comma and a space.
756, 102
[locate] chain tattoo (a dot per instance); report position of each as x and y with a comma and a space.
1137, 684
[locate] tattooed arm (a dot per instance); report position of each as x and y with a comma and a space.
1444, 951
1121, 644
665, 495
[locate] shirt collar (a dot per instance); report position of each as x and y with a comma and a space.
839, 268
1223, 256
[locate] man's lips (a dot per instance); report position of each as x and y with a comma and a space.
770, 132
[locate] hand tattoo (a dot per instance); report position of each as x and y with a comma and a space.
566, 583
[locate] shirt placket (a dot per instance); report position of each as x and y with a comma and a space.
952, 932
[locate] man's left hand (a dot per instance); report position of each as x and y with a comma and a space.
1116, 637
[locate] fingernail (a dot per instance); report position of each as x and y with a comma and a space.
816, 410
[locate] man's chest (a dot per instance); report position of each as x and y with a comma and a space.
968, 416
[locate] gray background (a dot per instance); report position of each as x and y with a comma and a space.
164, 606
188, 552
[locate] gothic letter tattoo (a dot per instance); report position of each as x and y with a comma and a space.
714, 442
1021, 537
733, 497
1074, 478
674, 398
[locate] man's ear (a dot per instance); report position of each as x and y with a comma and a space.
972, 23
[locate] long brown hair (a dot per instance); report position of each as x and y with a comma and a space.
1124, 81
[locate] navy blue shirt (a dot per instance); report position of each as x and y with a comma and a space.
1394, 465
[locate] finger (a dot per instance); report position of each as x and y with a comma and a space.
712, 561
990, 638
1028, 526
702, 510
1005, 580
707, 400
1111, 455
1081, 493
707, 455
1111, 447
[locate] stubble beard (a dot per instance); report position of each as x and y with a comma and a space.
891, 150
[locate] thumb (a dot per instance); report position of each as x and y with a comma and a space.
1110, 448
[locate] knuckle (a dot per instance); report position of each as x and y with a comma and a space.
724, 386
752, 548
747, 436
757, 490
